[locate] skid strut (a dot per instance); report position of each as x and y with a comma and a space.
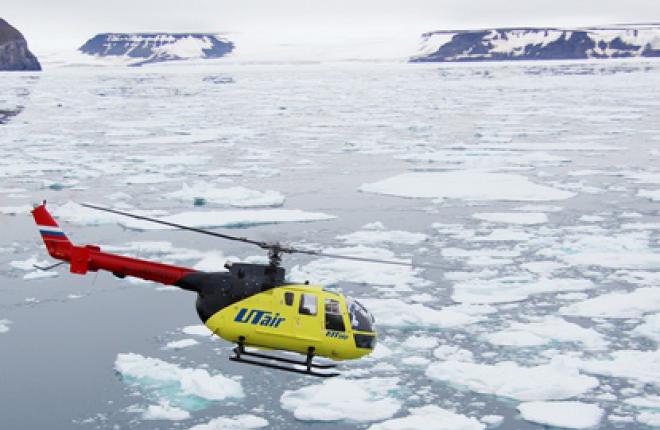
310, 366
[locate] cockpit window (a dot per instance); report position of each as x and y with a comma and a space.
334, 320
361, 319
308, 304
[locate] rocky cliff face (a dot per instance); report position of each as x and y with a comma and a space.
14, 52
146, 48
505, 44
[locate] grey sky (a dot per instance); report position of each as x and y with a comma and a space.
66, 24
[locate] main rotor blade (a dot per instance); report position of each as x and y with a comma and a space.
350, 257
179, 226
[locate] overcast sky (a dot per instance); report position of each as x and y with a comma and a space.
66, 24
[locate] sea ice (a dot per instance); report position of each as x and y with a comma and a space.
619, 304
203, 219
165, 411
235, 196
197, 330
168, 378
4, 326
397, 313
642, 366
521, 218
452, 353
15, 210
180, 344
430, 417
553, 381
344, 399
327, 271
513, 290
467, 185
651, 419
567, 414
650, 194
239, 422
376, 237
650, 328
651, 402
420, 342
545, 330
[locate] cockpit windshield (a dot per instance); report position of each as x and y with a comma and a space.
361, 319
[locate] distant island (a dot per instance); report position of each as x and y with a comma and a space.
145, 48
507, 44
14, 52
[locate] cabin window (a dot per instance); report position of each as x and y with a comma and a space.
308, 304
288, 298
334, 320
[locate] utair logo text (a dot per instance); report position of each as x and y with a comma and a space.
256, 316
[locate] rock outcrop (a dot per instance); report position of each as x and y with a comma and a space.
143, 48
506, 44
14, 52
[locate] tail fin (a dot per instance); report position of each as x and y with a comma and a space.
58, 245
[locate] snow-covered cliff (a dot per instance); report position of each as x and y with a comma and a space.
14, 52
143, 48
504, 44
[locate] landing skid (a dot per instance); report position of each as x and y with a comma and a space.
241, 353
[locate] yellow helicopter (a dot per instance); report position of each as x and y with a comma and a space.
250, 304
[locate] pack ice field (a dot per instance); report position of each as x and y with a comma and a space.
534, 187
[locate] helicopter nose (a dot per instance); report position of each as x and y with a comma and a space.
366, 341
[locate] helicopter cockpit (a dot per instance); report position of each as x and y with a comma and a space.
361, 318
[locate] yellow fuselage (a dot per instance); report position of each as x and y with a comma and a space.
275, 319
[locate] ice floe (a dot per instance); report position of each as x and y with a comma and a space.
203, 219
514, 289
197, 330
544, 330
652, 402
239, 422
430, 417
642, 366
201, 193
649, 328
566, 414
178, 385
165, 411
33, 273
380, 236
4, 325
522, 218
467, 185
651, 419
650, 194
344, 399
618, 304
397, 313
553, 381
15, 210
180, 344
623, 250
328, 271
